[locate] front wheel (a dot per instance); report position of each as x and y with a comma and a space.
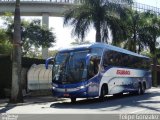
73, 100
103, 93
141, 89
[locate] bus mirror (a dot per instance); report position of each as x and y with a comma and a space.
89, 57
47, 61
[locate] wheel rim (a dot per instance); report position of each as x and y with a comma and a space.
103, 92
139, 90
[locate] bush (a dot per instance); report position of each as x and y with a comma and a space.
28, 62
5, 74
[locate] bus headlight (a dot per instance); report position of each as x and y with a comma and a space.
81, 87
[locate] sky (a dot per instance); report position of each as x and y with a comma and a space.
155, 3
63, 34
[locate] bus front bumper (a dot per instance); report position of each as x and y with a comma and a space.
70, 92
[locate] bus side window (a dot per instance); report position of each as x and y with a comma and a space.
109, 58
105, 59
93, 67
97, 65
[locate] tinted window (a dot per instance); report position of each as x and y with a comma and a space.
114, 58
97, 51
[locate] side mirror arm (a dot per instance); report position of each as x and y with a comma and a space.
47, 61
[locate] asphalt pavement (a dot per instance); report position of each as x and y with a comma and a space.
115, 106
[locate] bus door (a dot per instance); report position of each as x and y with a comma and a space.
92, 74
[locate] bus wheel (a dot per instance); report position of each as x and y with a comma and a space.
103, 93
140, 89
143, 87
73, 100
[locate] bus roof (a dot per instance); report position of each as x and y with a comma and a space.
100, 45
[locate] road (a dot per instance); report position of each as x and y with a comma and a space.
147, 103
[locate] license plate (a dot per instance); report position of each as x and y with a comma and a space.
66, 95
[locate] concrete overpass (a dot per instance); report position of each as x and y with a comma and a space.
38, 7
46, 8
53, 7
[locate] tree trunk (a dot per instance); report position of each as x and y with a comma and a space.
134, 38
154, 68
16, 92
98, 32
154, 71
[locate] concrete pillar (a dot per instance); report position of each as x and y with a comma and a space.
45, 21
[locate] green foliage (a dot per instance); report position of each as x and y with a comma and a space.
33, 35
145, 29
52, 53
151, 31
142, 30
134, 23
147, 53
5, 45
28, 62
39, 35
102, 14
7, 18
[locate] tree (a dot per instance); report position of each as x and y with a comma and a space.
16, 92
32, 34
134, 24
39, 35
119, 32
143, 30
102, 14
151, 32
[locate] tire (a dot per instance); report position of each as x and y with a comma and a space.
143, 88
73, 100
103, 93
140, 90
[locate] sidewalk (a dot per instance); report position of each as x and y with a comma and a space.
29, 100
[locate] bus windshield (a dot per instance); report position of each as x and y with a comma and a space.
70, 67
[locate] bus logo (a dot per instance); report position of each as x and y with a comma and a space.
123, 72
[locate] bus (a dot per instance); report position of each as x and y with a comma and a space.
97, 70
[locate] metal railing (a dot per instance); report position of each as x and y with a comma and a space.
136, 6
144, 7
55, 1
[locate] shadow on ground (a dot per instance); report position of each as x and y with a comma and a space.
27, 101
113, 102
